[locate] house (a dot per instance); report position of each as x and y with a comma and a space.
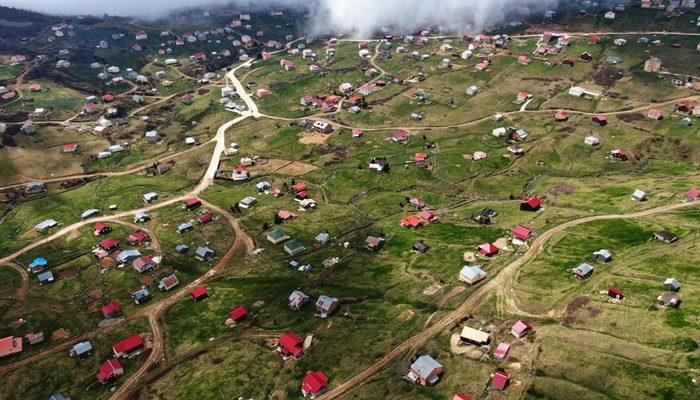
33, 188
182, 248
600, 120
205, 218
499, 132
609, 15
108, 244
143, 264
141, 217
70, 148
322, 127
238, 314
561, 115
240, 173
591, 140
411, 222
277, 236
418, 203
425, 371
314, 384
520, 329
522, 97
141, 295
322, 239
81, 349
691, 195
501, 351
101, 229
199, 293
128, 255
461, 396
204, 253
374, 243
670, 300
488, 249
584, 270
665, 236
45, 225
530, 204
152, 136
111, 310
519, 135
672, 284
474, 336
639, 195
128, 346
10, 345
168, 282
293, 247
290, 345
603, 255
325, 305
655, 113
500, 379
109, 371
90, 213
618, 154
471, 274
400, 136
137, 238
39, 264
192, 203
284, 215
521, 233
616, 293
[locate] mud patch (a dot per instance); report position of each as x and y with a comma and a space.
561, 188
314, 138
607, 77
432, 289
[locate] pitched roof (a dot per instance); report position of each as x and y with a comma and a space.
291, 344
128, 344
238, 313
314, 382
521, 326
522, 232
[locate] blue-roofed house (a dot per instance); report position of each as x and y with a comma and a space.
39, 264
425, 370
46, 277
184, 227
82, 349
141, 295
128, 255
322, 239
204, 253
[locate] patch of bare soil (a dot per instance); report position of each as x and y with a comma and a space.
576, 303
313, 138
607, 77
469, 256
432, 289
631, 117
285, 167
68, 272
30, 234
561, 188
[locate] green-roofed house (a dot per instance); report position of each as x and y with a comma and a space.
277, 236
293, 247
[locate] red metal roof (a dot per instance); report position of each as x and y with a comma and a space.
99, 227
693, 193
522, 232
192, 202
129, 344
461, 396
533, 202
488, 249
238, 314
108, 243
291, 344
413, 221
109, 370
111, 308
199, 293
314, 382
299, 187
500, 379
137, 237
521, 326
206, 217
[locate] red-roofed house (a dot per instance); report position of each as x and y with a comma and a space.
461, 396
70, 148
109, 371
428, 216
616, 293
618, 154
313, 384
302, 195
108, 244
421, 157
530, 204
199, 293
500, 379
101, 229
561, 115
356, 133
144, 264
299, 187
286, 215
522, 233
238, 315
520, 328
205, 218
136, 238
501, 351
290, 345
106, 98
192, 203
488, 249
655, 113
411, 222
111, 310
400, 136
128, 346
10, 345
692, 194
600, 120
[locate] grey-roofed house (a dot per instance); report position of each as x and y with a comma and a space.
262, 186
665, 236
59, 396
602, 255
152, 136
128, 255
374, 243
35, 188
204, 253
277, 236
248, 202
672, 284
425, 370
669, 300
639, 195
141, 295
584, 270
46, 277
322, 238
141, 217
297, 299
184, 227
325, 305
93, 212
471, 274
45, 225
293, 247
168, 282
150, 197
81, 349
182, 248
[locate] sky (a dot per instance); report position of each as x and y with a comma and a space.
358, 17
